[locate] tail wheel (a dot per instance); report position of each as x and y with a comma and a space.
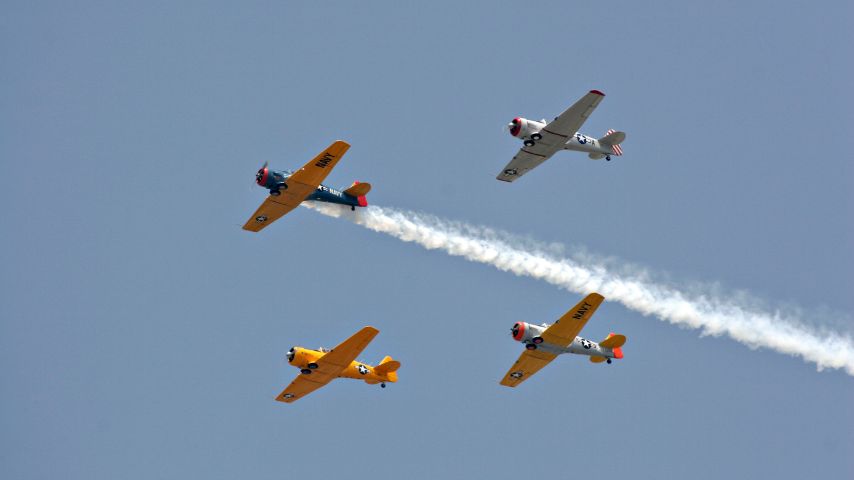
531, 346
537, 340
382, 385
305, 371
609, 361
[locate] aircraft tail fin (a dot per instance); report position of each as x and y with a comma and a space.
614, 341
388, 367
614, 139
359, 190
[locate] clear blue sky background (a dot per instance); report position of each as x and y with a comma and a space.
142, 332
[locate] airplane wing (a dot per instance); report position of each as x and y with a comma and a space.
300, 185
329, 366
524, 161
555, 135
570, 121
564, 331
529, 363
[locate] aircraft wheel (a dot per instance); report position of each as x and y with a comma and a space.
536, 136
531, 346
607, 158
305, 371
275, 193
537, 340
312, 365
609, 361
382, 385
352, 208
529, 143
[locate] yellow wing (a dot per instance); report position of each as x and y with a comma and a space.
529, 363
329, 366
300, 387
564, 331
300, 185
271, 210
312, 174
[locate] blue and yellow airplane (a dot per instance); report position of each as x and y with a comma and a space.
289, 189
321, 366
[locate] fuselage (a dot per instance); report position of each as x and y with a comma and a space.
583, 143
579, 346
274, 180
531, 336
302, 357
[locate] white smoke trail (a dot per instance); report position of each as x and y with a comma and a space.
702, 308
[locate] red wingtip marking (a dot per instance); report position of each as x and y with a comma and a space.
618, 352
597, 92
363, 201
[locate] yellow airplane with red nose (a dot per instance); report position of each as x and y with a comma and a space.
321, 366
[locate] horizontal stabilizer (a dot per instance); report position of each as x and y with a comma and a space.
388, 367
613, 138
597, 359
596, 156
358, 189
613, 341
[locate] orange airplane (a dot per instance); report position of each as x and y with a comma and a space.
319, 367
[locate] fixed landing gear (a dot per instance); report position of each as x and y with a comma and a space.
607, 158
531, 346
382, 385
352, 208
305, 371
275, 193
537, 340
312, 365
609, 361
536, 136
529, 143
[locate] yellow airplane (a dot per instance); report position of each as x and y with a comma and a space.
319, 367
544, 343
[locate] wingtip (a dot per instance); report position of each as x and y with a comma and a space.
597, 92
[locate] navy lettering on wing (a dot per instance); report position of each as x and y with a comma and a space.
324, 161
581, 311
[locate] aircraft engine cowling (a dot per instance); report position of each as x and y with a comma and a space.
524, 128
292, 353
270, 179
263, 176
525, 332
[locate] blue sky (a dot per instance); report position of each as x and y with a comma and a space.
143, 333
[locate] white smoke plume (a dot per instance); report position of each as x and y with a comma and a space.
734, 315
